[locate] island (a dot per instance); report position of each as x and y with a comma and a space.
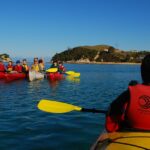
99, 54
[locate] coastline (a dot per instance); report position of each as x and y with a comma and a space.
103, 63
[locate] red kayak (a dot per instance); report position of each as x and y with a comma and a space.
54, 76
2, 75
14, 76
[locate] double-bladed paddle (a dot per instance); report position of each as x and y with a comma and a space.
70, 73
53, 106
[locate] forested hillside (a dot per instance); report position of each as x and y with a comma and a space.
99, 53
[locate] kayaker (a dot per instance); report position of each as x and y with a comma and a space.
41, 65
10, 66
61, 67
35, 65
25, 67
2, 66
131, 110
54, 64
18, 67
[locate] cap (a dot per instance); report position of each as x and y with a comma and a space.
18, 62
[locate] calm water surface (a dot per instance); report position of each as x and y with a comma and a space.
24, 127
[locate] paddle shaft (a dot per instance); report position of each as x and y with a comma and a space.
93, 110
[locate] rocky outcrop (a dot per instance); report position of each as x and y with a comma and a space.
5, 57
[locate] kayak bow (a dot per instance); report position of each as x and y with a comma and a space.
123, 141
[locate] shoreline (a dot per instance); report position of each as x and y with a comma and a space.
103, 63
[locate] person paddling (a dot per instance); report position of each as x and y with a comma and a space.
35, 65
54, 64
10, 66
41, 65
61, 67
25, 67
2, 66
18, 67
131, 110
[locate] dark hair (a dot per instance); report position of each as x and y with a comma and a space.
40, 61
133, 82
60, 62
24, 59
145, 69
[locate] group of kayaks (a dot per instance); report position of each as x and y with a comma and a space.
17, 76
51, 74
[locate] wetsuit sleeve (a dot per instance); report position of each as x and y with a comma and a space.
115, 114
117, 106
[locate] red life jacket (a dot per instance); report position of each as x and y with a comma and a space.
62, 68
10, 67
18, 68
138, 109
2, 68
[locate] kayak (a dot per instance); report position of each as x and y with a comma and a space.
69, 72
2, 75
123, 141
34, 75
54, 76
75, 75
73, 79
14, 76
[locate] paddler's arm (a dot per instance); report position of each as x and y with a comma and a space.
115, 113
118, 105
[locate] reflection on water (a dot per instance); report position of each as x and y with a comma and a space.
35, 86
53, 83
72, 79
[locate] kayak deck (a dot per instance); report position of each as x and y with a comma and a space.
123, 141
14, 76
2, 75
54, 76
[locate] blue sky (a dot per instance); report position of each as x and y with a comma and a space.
31, 28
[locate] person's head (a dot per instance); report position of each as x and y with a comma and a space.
60, 63
145, 69
10, 63
18, 62
24, 61
40, 61
36, 60
55, 63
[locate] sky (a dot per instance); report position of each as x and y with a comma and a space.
42, 28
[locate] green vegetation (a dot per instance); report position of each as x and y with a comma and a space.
76, 54
99, 53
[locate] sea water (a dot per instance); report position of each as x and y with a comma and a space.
24, 127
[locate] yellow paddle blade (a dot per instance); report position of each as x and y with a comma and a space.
75, 75
52, 70
52, 106
73, 79
69, 72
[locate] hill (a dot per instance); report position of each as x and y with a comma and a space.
99, 53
